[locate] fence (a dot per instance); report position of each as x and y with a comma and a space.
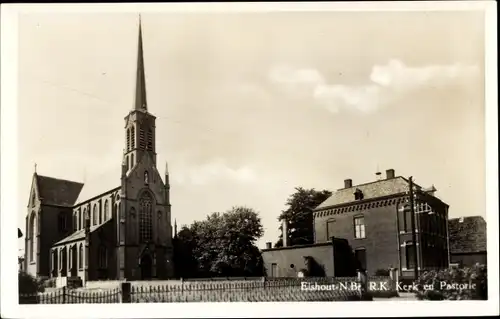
236, 290
72, 296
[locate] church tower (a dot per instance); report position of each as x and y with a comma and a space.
139, 123
144, 231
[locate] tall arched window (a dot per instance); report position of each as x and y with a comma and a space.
80, 218
31, 234
132, 137
106, 210
80, 257
61, 258
145, 217
94, 215
100, 215
132, 160
75, 221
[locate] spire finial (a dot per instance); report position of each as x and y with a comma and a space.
35, 168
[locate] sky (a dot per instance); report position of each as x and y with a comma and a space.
251, 105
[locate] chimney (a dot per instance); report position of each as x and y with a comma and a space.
268, 245
389, 173
285, 233
347, 183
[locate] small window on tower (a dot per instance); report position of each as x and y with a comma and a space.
146, 177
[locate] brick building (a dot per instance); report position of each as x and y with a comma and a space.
97, 231
467, 240
378, 233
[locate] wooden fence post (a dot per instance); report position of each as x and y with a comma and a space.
125, 292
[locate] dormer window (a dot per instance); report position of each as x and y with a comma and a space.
358, 194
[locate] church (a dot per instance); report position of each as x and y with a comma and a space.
80, 231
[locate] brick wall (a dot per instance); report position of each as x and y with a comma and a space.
50, 234
469, 259
381, 234
284, 257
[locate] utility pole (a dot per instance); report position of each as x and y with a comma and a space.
413, 229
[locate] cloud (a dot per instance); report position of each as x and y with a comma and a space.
213, 171
386, 82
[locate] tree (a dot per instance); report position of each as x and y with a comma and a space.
238, 255
222, 245
185, 264
299, 214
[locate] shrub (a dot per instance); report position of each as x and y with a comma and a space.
29, 284
382, 272
466, 283
49, 283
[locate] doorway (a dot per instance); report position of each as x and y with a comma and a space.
146, 267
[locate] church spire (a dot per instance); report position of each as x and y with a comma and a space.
140, 82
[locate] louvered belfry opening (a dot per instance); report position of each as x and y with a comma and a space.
150, 140
132, 137
142, 140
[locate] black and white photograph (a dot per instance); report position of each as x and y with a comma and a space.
249, 158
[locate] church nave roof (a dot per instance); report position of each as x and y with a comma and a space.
55, 191
79, 234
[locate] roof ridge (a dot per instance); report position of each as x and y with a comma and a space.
58, 179
373, 182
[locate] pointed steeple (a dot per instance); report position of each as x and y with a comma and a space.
140, 82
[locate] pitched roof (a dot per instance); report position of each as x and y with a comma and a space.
100, 184
54, 191
371, 190
467, 234
79, 234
